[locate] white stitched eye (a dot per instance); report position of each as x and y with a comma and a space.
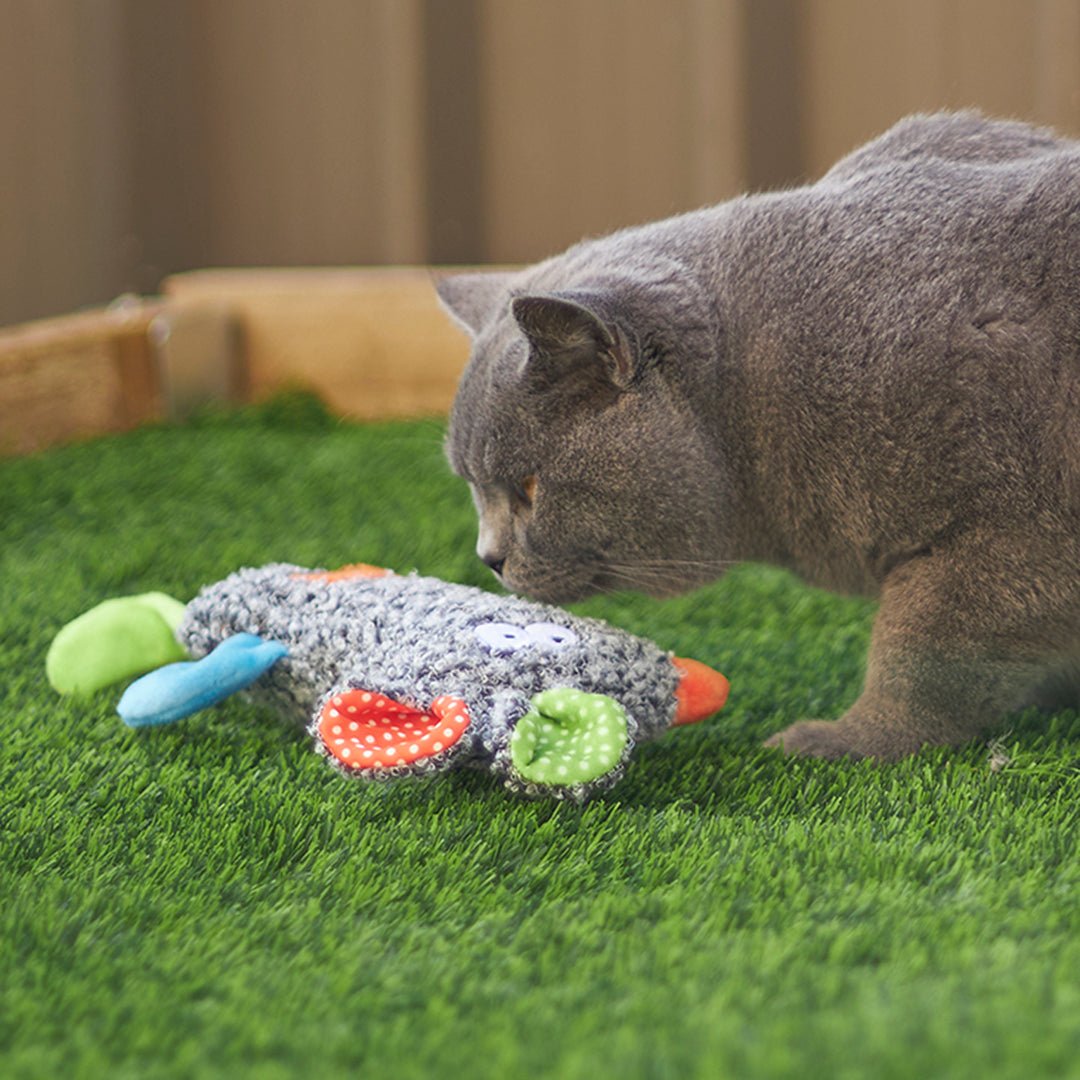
549, 635
502, 637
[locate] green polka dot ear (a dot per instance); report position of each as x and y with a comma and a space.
569, 738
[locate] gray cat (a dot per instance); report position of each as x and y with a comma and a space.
873, 380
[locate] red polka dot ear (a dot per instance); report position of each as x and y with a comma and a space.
365, 730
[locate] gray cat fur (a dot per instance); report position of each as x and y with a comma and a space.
412, 639
872, 380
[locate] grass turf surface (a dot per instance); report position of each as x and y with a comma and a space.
211, 899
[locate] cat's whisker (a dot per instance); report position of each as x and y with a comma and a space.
660, 569
675, 564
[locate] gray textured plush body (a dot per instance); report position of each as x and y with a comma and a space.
394, 647
873, 380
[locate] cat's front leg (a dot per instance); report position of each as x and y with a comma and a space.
960, 639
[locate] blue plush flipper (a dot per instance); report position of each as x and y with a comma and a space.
178, 690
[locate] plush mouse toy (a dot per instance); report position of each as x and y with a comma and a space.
396, 675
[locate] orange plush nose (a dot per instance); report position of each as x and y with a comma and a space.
701, 691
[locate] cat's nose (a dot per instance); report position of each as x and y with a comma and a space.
495, 562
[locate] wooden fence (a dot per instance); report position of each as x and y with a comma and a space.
145, 137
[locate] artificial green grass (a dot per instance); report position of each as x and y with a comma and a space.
211, 899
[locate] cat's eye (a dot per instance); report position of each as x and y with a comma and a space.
525, 490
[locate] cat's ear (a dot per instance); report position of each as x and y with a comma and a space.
567, 337
473, 299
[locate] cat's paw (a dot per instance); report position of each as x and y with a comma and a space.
856, 735
815, 738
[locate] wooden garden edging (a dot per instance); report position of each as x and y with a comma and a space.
371, 342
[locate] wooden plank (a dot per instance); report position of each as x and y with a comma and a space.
75, 376
454, 181
870, 64
1057, 66
592, 113
62, 172
774, 45
401, 122
306, 135
371, 342
867, 66
717, 72
197, 356
994, 69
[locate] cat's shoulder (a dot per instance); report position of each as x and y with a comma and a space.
961, 137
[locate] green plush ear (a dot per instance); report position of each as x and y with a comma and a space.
116, 640
568, 737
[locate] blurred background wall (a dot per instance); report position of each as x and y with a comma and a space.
144, 137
